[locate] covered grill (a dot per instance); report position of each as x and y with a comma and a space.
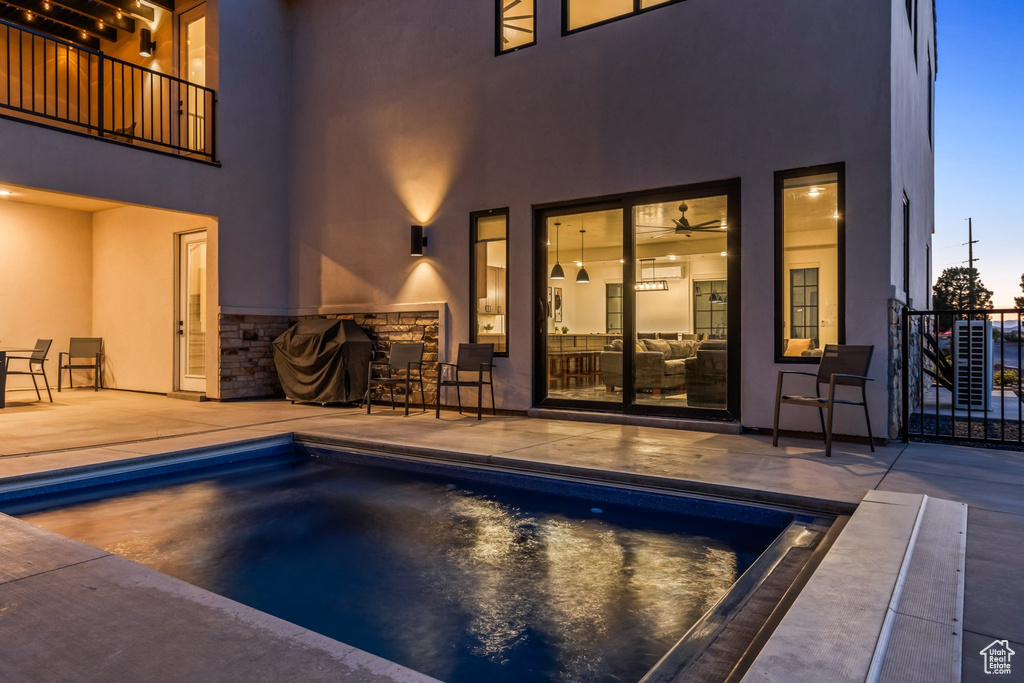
323, 361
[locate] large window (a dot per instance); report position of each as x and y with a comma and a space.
580, 14
636, 301
489, 279
517, 25
710, 309
810, 229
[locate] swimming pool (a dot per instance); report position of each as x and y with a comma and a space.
461, 573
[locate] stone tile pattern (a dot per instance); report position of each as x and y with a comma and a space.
247, 355
896, 361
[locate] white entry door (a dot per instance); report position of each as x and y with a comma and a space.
192, 312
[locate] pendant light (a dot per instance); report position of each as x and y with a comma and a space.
556, 270
583, 276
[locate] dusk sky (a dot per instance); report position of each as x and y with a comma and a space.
979, 151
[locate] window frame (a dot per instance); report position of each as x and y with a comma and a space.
498, 16
473, 319
805, 287
637, 9
906, 247
781, 177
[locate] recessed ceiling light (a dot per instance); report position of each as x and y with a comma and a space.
724, 253
671, 257
814, 191
5, 193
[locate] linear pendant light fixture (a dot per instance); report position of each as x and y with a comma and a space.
556, 270
652, 285
582, 277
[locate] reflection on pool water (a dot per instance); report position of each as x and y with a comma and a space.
459, 579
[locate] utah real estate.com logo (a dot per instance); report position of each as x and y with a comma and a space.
997, 656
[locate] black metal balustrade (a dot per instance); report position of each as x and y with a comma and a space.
961, 376
62, 85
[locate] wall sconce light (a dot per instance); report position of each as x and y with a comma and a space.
418, 241
147, 46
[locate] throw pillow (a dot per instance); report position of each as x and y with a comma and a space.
659, 345
796, 347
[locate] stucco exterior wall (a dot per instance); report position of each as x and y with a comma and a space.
46, 262
402, 114
247, 193
134, 290
913, 156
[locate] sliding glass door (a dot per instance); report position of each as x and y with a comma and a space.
583, 262
637, 300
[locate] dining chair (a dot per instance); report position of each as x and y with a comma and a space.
89, 353
403, 359
841, 365
36, 366
476, 360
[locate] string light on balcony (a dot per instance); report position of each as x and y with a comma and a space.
28, 16
119, 15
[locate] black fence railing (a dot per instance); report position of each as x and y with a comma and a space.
56, 83
961, 379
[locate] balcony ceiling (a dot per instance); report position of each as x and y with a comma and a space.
83, 22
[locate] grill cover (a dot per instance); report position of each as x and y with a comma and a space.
323, 361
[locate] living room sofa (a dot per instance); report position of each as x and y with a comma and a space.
658, 364
707, 375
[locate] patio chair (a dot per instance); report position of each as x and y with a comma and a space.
840, 366
473, 358
89, 352
36, 366
404, 359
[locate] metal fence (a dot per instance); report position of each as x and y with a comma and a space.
62, 85
961, 376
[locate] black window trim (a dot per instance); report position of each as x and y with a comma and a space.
498, 9
566, 31
906, 247
473, 217
781, 177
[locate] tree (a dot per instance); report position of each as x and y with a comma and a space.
1018, 301
952, 291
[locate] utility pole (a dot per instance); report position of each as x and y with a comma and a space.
970, 258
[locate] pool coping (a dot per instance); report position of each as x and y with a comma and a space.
736, 494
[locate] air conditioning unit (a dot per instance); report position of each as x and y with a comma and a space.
972, 364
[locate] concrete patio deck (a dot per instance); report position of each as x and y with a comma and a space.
84, 427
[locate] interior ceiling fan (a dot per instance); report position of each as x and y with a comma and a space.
682, 226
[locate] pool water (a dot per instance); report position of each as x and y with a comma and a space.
459, 578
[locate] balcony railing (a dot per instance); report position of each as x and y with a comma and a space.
55, 83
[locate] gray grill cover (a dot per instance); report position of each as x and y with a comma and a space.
323, 361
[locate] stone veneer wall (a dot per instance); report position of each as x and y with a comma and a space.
247, 357
896, 361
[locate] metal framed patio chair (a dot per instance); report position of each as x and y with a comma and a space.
404, 359
477, 359
88, 351
841, 365
36, 366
